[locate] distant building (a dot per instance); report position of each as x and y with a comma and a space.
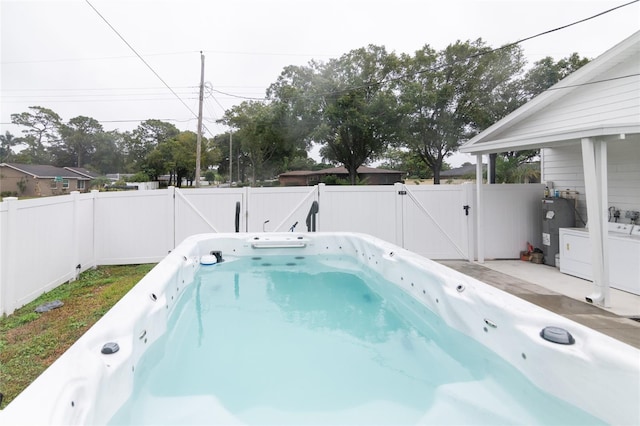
464, 173
38, 180
366, 175
83, 172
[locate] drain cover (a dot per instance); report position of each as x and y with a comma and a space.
557, 335
110, 348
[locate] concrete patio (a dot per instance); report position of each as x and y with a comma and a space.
563, 294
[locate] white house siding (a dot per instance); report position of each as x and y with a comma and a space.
563, 167
610, 98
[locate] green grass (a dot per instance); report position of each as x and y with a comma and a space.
30, 342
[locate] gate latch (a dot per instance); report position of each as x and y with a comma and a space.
466, 210
402, 192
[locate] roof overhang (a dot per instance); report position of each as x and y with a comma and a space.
490, 140
553, 139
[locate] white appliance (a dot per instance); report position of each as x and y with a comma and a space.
624, 255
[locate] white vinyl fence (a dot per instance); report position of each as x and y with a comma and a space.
46, 242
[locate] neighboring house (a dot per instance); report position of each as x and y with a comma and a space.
83, 172
588, 129
462, 174
114, 177
37, 180
367, 175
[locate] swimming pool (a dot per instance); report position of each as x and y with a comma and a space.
598, 376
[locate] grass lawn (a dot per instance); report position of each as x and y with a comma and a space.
30, 342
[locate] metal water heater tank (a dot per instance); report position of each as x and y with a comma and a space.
556, 213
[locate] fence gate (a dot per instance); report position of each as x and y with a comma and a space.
207, 210
279, 209
437, 220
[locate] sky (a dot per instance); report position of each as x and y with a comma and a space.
62, 55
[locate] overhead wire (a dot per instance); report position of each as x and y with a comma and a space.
475, 55
141, 58
356, 87
459, 60
239, 96
101, 58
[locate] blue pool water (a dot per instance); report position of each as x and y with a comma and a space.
290, 340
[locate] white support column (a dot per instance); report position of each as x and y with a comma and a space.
479, 208
594, 159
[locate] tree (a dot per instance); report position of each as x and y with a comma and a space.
407, 161
513, 170
517, 166
449, 96
78, 143
545, 73
261, 138
147, 136
343, 105
7, 142
42, 125
108, 156
177, 157
183, 154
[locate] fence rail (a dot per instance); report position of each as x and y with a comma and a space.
46, 242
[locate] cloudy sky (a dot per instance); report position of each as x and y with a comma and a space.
62, 55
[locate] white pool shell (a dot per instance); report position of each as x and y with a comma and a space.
598, 374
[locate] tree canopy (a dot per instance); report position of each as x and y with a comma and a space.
414, 110
449, 96
346, 105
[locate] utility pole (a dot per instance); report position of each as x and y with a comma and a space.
199, 139
230, 158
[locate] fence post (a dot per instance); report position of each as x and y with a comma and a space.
171, 208
321, 189
75, 236
94, 202
400, 192
2, 264
247, 206
8, 270
470, 220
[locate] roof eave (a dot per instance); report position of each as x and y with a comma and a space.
568, 85
609, 132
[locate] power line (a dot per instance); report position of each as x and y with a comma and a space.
595, 82
304, 55
141, 120
142, 59
569, 25
476, 55
92, 89
188, 52
238, 96
479, 54
93, 95
54, 101
100, 58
